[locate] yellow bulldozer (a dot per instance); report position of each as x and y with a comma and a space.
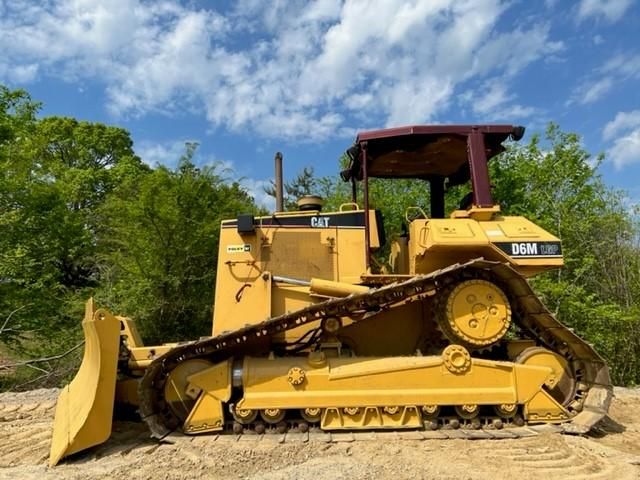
311, 330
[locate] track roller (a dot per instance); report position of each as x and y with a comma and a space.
467, 412
244, 416
506, 410
273, 415
311, 415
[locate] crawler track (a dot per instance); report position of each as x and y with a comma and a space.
592, 395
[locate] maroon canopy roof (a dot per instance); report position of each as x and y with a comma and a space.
424, 151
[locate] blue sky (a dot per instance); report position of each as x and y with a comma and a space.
247, 78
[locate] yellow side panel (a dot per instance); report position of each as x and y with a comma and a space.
399, 331
371, 417
207, 415
289, 298
543, 408
242, 294
450, 232
437, 243
244, 303
351, 255
296, 245
517, 227
301, 253
215, 381
511, 228
357, 382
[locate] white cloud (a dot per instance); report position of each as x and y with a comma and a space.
591, 92
611, 10
161, 153
513, 51
255, 188
169, 153
297, 70
492, 101
623, 121
513, 112
19, 74
624, 133
618, 69
627, 66
626, 149
495, 95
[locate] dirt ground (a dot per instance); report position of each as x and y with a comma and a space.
25, 432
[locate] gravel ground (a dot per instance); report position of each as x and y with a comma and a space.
25, 432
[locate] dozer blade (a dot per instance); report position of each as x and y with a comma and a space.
85, 406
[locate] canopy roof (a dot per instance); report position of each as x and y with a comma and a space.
424, 151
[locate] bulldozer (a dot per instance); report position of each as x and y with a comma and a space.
313, 331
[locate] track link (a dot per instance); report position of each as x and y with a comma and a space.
592, 396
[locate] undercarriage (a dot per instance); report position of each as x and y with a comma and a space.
535, 371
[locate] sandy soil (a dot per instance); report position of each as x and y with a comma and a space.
25, 431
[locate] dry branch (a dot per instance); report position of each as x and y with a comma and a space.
30, 363
6, 320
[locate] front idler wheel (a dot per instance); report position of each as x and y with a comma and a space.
175, 388
561, 384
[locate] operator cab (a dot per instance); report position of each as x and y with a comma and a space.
442, 155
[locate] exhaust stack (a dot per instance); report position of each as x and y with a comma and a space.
279, 185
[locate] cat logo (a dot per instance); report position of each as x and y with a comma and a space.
320, 222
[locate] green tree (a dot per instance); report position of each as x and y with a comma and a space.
18, 203
159, 244
305, 183
54, 173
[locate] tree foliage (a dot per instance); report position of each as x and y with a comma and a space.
159, 245
54, 173
305, 183
82, 215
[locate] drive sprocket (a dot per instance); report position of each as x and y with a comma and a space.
475, 313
